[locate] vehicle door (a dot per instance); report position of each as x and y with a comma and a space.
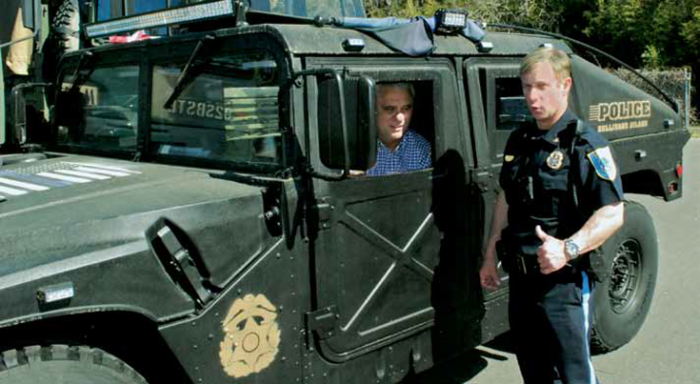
497, 107
384, 261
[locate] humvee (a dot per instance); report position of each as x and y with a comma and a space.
183, 209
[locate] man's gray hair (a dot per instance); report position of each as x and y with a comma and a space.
408, 87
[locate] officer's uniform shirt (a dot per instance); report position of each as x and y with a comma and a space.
535, 177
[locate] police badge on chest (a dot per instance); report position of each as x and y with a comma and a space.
555, 160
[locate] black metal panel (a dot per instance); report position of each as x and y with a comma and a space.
622, 110
377, 260
100, 283
252, 332
303, 40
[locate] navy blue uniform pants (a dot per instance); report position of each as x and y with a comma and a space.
550, 324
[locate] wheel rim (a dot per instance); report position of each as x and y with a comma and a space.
625, 276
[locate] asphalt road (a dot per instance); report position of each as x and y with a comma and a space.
667, 349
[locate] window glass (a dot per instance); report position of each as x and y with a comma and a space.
226, 111
108, 118
328, 8
511, 108
405, 127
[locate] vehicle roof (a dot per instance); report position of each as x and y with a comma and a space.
304, 39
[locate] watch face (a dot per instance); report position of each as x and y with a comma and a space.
571, 249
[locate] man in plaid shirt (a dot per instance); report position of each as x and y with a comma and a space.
399, 149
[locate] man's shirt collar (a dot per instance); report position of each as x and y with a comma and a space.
398, 146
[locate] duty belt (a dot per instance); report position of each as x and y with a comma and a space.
514, 262
523, 265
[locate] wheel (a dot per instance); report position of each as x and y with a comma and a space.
64, 35
66, 25
628, 267
60, 364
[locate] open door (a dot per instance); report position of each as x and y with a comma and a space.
393, 252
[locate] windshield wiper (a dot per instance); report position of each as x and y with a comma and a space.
185, 75
80, 77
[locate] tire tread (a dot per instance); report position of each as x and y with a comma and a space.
33, 356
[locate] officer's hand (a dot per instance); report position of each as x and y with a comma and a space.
550, 255
489, 274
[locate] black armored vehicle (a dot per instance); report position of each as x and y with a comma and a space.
186, 208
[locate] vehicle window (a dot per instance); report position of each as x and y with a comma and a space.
328, 8
228, 110
511, 108
408, 105
502, 106
109, 113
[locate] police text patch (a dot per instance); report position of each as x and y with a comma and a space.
603, 163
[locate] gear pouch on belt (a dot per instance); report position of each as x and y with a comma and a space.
505, 256
516, 251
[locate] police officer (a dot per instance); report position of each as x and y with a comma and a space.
561, 199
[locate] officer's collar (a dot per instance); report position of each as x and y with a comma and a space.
552, 135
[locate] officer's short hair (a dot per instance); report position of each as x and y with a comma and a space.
382, 87
558, 59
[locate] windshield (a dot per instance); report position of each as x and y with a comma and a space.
109, 116
227, 111
106, 9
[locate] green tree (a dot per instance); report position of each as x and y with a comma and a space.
691, 34
543, 14
642, 33
615, 24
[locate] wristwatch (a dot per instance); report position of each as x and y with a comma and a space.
571, 249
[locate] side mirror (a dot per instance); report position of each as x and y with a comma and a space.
348, 103
17, 129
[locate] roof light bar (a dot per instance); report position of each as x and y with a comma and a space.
179, 15
451, 20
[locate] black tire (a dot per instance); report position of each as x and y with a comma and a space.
63, 36
60, 364
66, 25
628, 267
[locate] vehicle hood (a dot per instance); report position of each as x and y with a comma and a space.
71, 205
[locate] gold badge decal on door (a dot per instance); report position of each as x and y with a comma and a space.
252, 336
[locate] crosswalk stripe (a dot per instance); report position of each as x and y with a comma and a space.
15, 183
12, 191
64, 177
35, 179
82, 174
107, 167
102, 171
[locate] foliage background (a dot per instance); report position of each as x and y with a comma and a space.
646, 34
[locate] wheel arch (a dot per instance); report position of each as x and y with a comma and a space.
646, 182
130, 336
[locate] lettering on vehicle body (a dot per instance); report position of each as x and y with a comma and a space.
620, 115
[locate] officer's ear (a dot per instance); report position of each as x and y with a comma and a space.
566, 84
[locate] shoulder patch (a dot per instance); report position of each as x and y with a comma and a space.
603, 163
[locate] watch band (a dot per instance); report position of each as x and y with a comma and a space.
571, 249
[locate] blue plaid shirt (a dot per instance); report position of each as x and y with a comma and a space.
412, 153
